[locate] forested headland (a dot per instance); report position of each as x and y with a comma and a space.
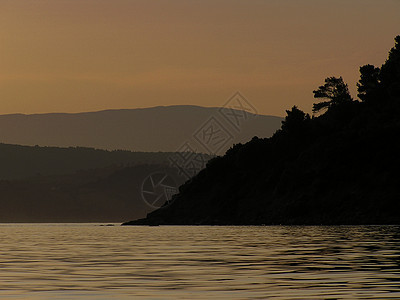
339, 166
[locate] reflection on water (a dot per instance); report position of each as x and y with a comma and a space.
89, 261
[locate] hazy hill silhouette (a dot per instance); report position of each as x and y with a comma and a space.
340, 167
17, 162
50, 184
110, 194
148, 129
76, 184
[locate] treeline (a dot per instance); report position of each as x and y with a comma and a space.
339, 166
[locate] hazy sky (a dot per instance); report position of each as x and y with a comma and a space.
71, 56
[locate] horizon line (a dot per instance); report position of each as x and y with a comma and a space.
123, 109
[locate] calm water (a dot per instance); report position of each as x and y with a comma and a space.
75, 261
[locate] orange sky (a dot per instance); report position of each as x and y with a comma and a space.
72, 56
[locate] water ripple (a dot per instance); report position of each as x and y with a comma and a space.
74, 261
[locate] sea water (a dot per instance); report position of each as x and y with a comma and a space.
90, 261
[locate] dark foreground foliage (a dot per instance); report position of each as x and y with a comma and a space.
341, 167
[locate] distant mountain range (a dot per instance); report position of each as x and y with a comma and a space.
148, 129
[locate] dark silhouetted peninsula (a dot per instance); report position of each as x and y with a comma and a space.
340, 166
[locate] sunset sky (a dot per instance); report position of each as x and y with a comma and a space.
87, 55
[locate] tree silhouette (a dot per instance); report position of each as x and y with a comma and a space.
335, 90
390, 71
295, 120
369, 84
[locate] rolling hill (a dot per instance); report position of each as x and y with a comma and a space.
18, 162
110, 194
148, 129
